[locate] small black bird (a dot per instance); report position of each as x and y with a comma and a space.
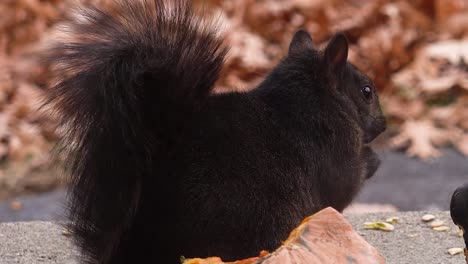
459, 212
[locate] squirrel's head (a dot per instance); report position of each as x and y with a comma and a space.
343, 79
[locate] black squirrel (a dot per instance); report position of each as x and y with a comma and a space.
459, 212
161, 168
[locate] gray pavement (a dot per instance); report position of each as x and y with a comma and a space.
34, 243
413, 185
411, 242
44, 207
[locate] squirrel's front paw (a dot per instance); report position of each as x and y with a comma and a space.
371, 160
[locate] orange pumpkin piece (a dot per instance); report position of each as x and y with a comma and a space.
325, 237
217, 260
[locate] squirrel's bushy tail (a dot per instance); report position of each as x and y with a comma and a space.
125, 79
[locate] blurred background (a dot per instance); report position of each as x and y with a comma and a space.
416, 52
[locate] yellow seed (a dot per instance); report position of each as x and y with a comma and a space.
392, 220
455, 251
66, 233
437, 223
428, 217
441, 228
379, 225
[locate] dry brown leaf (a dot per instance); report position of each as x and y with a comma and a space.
445, 9
403, 109
451, 50
462, 144
249, 49
422, 136
455, 25
16, 205
460, 140
438, 85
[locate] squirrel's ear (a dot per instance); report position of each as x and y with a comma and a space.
336, 52
301, 42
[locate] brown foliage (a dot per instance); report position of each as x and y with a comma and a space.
414, 50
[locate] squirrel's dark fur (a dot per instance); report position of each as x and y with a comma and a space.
160, 168
459, 209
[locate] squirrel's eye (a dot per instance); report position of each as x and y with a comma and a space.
367, 92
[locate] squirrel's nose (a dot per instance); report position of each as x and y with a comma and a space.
373, 128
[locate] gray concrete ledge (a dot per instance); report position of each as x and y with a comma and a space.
412, 241
34, 243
